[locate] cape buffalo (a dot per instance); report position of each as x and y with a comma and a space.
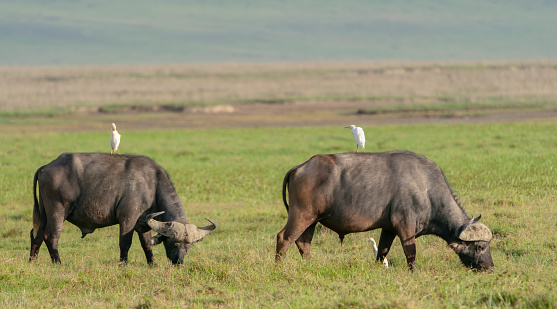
94, 190
404, 194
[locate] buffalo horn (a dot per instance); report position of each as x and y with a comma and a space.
179, 231
474, 231
172, 229
194, 233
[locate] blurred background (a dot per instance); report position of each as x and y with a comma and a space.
88, 32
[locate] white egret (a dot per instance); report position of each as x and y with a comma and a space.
114, 140
376, 251
359, 137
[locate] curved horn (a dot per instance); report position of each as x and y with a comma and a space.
150, 216
172, 229
211, 227
463, 227
195, 234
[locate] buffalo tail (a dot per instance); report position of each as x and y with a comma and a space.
37, 208
285, 184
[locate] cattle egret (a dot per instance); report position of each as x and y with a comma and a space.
114, 140
376, 251
359, 137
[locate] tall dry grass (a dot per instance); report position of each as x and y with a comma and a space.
39, 89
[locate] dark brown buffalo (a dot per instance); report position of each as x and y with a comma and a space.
404, 194
94, 190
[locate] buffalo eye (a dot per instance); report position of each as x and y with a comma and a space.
480, 248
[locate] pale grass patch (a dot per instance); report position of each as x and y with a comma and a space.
372, 84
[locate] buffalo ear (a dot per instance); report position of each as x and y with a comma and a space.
157, 239
456, 247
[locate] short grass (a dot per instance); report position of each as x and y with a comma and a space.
506, 172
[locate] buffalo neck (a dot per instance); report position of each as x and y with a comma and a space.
167, 200
446, 222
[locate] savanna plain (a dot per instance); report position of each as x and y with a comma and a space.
227, 135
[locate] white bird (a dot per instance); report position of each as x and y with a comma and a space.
114, 140
359, 137
376, 251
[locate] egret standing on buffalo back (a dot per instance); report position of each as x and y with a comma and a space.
359, 136
114, 140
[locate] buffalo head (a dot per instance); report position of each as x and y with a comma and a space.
472, 245
177, 237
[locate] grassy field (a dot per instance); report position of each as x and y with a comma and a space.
229, 166
506, 172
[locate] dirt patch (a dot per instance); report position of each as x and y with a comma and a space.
215, 109
296, 94
243, 115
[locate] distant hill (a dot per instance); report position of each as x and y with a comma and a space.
105, 32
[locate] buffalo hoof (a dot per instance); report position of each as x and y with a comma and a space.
123, 262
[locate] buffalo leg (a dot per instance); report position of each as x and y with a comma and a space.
290, 233
304, 241
385, 242
51, 241
410, 252
53, 230
125, 243
144, 239
409, 246
35, 245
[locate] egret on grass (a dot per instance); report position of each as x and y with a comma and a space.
359, 137
375, 252
114, 140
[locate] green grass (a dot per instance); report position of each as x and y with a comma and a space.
504, 171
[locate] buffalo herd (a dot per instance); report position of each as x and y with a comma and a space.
402, 193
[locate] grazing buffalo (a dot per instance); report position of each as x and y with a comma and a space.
94, 190
404, 194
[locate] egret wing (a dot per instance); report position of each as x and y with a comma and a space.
361, 138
